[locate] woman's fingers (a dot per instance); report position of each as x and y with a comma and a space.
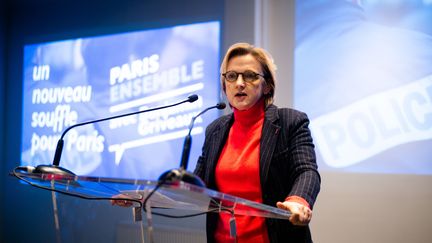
300, 214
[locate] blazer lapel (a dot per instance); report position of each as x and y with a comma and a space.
269, 137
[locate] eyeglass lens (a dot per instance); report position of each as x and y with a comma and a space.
248, 76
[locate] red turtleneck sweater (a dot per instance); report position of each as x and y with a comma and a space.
237, 173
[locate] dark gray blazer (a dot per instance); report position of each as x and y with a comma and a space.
287, 166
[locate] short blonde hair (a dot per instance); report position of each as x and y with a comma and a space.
262, 56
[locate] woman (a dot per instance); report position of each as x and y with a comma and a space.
260, 153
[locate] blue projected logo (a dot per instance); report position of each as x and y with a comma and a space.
73, 81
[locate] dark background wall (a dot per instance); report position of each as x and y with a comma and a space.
2, 102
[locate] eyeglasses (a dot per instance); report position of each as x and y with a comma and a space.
248, 76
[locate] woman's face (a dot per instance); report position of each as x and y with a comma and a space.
243, 95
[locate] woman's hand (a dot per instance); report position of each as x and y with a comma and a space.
300, 214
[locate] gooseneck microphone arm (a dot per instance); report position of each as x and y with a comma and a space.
58, 152
59, 148
181, 174
188, 139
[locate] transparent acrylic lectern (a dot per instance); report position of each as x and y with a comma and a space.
174, 200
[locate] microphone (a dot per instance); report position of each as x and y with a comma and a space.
182, 174
56, 169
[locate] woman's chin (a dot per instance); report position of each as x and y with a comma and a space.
242, 106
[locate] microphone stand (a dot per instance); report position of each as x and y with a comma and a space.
55, 167
181, 174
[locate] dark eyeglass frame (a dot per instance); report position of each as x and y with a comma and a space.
250, 76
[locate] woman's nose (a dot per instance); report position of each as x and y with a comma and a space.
240, 81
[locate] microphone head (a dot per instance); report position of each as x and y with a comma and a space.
192, 98
221, 106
